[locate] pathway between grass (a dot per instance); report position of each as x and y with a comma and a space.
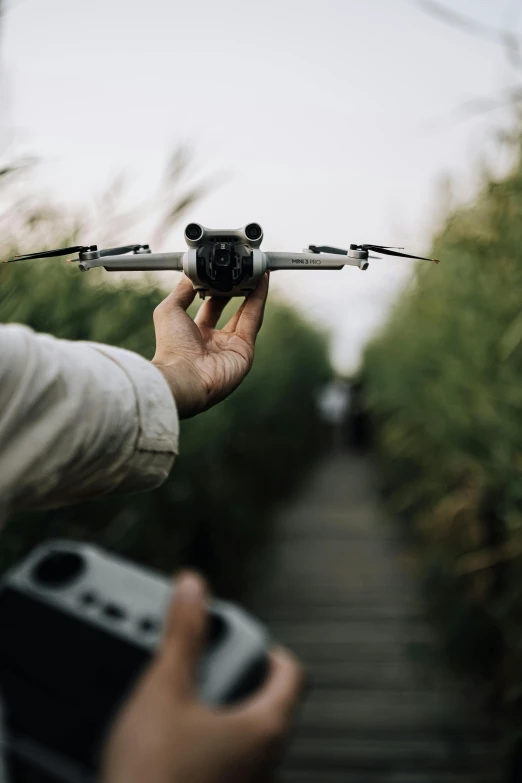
380, 709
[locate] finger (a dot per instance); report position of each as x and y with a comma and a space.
251, 318
232, 323
185, 630
172, 323
279, 696
182, 296
210, 311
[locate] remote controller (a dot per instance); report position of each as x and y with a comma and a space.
77, 627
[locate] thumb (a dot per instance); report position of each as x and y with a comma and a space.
185, 630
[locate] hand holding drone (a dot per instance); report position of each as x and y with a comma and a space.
222, 262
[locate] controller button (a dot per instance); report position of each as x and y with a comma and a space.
149, 625
114, 612
88, 598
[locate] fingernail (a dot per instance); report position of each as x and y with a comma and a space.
189, 588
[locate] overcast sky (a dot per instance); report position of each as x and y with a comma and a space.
332, 120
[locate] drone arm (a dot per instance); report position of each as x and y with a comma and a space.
136, 262
316, 260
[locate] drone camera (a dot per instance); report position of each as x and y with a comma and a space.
194, 232
222, 254
253, 231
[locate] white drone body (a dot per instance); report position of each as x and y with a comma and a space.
219, 262
222, 262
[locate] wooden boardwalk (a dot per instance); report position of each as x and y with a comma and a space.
380, 709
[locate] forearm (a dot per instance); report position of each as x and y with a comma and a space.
79, 420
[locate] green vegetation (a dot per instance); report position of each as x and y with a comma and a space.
236, 461
444, 386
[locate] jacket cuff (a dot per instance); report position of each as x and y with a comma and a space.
158, 424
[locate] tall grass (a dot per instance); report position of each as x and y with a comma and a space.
444, 385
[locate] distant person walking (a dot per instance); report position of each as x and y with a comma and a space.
334, 402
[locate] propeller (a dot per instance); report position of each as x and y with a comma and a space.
112, 251
53, 253
391, 251
384, 249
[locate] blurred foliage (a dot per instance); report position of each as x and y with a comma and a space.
236, 461
443, 384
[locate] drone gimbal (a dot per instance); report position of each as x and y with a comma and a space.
221, 262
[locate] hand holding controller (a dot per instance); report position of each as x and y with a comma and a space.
80, 627
165, 734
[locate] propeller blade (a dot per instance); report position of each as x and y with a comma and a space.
387, 252
393, 252
327, 249
52, 253
379, 247
117, 251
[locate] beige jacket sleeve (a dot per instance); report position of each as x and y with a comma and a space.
79, 420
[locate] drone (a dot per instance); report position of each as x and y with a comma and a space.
221, 262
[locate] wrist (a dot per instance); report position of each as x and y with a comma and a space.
184, 389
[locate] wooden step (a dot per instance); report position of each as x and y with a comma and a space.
332, 632
345, 611
383, 776
372, 755
350, 653
363, 675
376, 712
